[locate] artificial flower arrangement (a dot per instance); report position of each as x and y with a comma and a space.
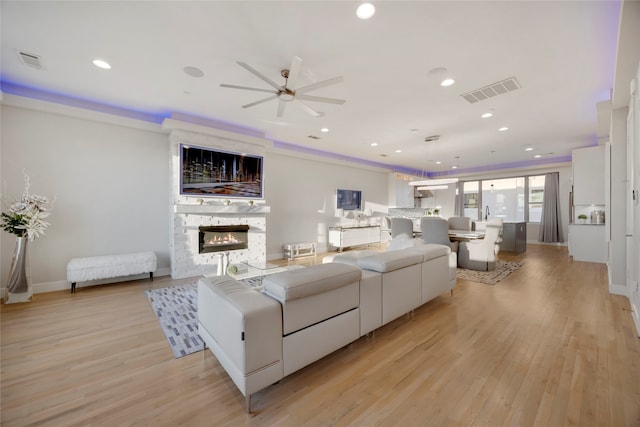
26, 217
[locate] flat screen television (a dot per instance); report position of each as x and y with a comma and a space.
206, 171
349, 200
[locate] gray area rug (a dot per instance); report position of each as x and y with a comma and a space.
503, 269
176, 308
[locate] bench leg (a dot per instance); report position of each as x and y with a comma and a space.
73, 287
151, 275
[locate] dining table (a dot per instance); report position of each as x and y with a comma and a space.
465, 235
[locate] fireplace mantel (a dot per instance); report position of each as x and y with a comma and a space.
221, 209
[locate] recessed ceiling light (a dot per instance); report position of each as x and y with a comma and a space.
502, 129
101, 63
438, 162
398, 151
528, 149
442, 75
324, 130
365, 11
537, 156
454, 167
374, 144
447, 82
487, 114
193, 71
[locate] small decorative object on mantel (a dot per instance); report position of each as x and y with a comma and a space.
250, 202
25, 219
582, 219
200, 202
226, 202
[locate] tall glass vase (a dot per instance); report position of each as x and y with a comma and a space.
19, 285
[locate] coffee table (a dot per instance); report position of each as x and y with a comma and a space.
253, 275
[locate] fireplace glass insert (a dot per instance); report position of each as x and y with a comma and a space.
217, 238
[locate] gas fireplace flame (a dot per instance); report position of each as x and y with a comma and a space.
227, 239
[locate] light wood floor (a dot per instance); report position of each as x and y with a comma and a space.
547, 346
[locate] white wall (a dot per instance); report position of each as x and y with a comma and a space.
617, 207
302, 196
111, 186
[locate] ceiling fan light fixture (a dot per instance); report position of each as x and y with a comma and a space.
286, 97
365, 11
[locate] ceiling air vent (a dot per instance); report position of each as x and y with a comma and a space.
431, 138
31, 60
494, 89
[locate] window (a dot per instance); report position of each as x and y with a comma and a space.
512, 199
536, 197
503, 198
471, 201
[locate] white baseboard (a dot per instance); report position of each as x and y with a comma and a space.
636, 318
618, 289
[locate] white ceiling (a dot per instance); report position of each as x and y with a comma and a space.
562, 54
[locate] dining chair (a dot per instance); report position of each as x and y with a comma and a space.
460, 223
481, 254
401, 226
436, 230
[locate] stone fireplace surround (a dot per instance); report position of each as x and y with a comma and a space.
185, 259
188, 214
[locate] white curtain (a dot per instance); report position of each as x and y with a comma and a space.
550, 224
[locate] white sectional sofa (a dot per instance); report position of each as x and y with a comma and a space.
299, 316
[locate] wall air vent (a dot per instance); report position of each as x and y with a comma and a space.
31, 60
494, 89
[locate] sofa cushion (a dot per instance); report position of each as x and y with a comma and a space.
384, 262
350, 258
431, 250
300, 283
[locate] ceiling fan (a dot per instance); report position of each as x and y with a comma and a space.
289, 92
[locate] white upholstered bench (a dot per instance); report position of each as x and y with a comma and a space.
108, 266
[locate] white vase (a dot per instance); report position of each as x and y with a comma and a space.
19, 284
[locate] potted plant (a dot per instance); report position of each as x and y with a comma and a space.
582, 218
436, 212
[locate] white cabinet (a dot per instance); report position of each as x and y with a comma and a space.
346, 237
588, 242
401, 194
589, 175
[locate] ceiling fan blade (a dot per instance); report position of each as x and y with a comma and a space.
320, 99
268, 98
294, 72
308, 109
318, 85
249, 88
281, 106
259, 75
